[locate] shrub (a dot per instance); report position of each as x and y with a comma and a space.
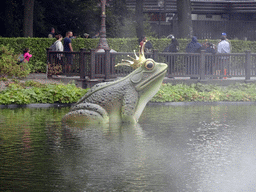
9, 65
206, 93
38, 46
34, 92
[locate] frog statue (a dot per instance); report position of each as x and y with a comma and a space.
123, 100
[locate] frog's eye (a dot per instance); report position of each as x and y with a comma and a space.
149, 65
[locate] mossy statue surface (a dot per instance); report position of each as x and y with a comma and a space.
121, 101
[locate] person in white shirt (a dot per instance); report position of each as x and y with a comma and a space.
55, 67
58, 45
224, 47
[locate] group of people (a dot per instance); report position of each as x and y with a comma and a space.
224, 46
67, 47
85, 35
67, 42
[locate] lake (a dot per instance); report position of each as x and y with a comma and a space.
204, 147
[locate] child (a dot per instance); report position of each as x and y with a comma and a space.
26, 55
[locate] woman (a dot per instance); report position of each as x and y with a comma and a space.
56, 68
58, 43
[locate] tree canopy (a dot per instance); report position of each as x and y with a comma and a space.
78, 16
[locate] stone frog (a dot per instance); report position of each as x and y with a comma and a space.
122, 100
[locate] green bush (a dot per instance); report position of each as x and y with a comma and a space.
206, 93
34, 92
38, 46
9, 65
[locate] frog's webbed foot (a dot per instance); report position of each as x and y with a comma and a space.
129, 119
87, 112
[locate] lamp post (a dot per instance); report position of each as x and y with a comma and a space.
160, 5
103, 44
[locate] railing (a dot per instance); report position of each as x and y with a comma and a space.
101, 65
205, 65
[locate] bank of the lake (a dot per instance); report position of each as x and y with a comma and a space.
36, 92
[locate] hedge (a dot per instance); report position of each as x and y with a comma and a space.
38, 46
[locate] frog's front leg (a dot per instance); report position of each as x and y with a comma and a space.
88, 112
129, 107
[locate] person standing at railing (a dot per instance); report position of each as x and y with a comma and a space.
210, 59
148, 45
68, 48
192, 62
60, 48
172, 48
223, 48
56, 65
225, 36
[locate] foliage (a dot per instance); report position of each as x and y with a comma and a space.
11, 17
9, 65
206, 93
34, 92
38, 46
54, 69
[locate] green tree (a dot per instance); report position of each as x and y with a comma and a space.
11, 16
139, 18
119, 21
28, 18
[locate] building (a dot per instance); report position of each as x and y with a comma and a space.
209, 18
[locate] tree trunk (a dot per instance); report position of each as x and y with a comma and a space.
9, 27
139, 18
184, 19
28, 18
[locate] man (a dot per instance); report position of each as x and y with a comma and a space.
86, 35
68, 48
52, 33
67, 42
225, 36
224, 47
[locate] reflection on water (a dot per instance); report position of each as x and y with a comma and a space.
173, 148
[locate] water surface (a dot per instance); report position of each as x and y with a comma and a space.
173, 148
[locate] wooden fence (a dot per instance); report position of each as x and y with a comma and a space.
95, 65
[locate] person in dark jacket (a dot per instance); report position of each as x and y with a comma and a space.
194, 46
171, 59
193, 61
173, 47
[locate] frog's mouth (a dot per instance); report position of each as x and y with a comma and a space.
149, 81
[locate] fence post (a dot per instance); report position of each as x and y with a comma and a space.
202, 65
155, 55
82, 64
48, 60
92, 63
247, 65
107, 64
